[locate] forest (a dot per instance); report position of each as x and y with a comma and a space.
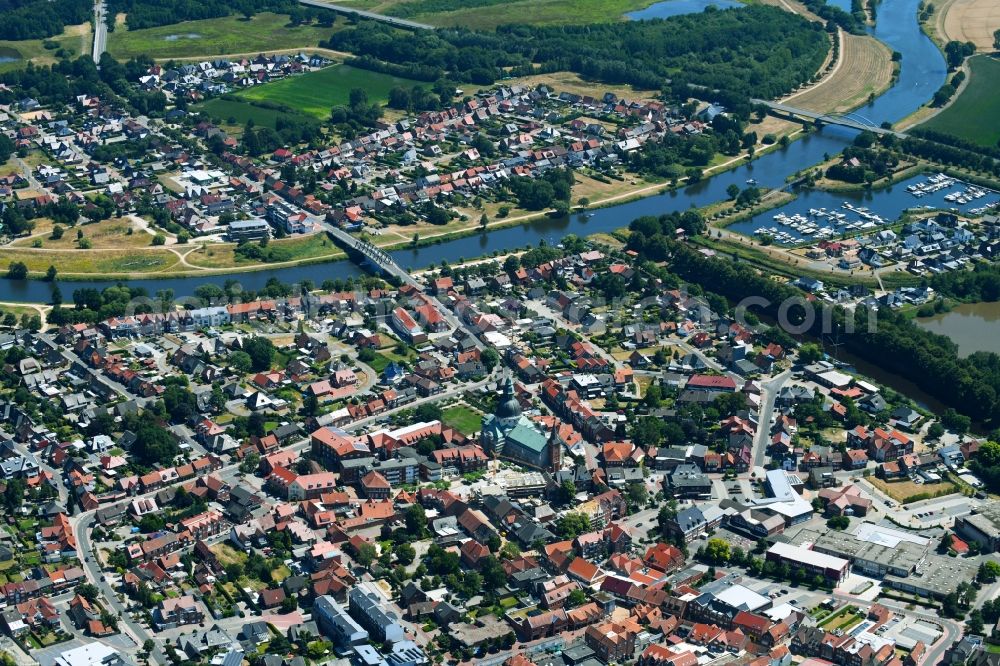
753, 51
970, 385
37, 19
150, 13
978, 285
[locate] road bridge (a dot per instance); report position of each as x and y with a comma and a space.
361, 13
861, 124
377, 257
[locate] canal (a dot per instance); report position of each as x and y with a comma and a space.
922, 73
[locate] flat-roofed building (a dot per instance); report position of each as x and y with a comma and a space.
982, 527
832, 568
240, 231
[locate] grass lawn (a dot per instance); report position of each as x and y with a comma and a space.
281, 573
974, 113
379, 363
111, 233
218, 36
90, 262
901, 491
290, 249
464, 419
236, 113
839, 618
316, 93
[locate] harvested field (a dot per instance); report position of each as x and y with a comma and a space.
865, 68
971, 21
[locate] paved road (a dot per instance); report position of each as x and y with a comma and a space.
71, 356
826, 118
82, 524
100, 30
934, 653
768, 393
351, 11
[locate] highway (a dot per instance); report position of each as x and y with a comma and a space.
360, 13
100, 30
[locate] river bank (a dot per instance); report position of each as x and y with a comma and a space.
922, 73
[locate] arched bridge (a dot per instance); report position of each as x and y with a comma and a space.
851, 120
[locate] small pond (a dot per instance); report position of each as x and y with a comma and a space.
670, 8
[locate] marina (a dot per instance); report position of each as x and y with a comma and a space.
819, 215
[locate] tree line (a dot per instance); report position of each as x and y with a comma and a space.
152, 13
757, 50
37, 19
982, 283
970, 385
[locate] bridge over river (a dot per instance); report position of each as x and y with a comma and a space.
856, 122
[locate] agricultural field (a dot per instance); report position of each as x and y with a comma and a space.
316, 93
970, 21
574, 83
865, 68
973, 114
216, 37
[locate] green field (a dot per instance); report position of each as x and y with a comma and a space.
974, 114
75, 40
463, 419
240, 111
316, 93
491, 13
218, 36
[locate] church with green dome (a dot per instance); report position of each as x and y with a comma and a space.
510, 435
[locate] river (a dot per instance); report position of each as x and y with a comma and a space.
922, 73
971, 326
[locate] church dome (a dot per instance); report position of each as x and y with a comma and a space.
508, 407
